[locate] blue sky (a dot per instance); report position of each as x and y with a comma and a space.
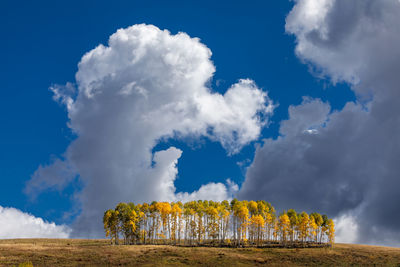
136, 120
43, 42
337, 152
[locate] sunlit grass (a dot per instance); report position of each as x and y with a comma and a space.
72, 252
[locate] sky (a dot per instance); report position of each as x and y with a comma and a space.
293, 102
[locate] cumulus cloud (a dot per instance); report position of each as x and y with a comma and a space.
352, 41
145, 86
17, 224
344, 163
213, 191
346, 229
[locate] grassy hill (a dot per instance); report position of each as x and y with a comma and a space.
72, 252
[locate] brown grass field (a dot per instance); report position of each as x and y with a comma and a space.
73, 252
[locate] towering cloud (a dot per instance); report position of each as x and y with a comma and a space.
147, 85
342, 162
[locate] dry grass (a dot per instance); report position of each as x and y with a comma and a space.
70, 252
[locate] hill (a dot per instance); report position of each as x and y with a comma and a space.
73, 252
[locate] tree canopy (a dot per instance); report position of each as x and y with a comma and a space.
234, 223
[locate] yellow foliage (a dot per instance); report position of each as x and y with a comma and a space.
195, 222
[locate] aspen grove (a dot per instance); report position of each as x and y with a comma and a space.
234, 223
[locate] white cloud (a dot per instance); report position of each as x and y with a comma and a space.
346, 229
17, 224
147, 85
347, 40
307, 16
211, 191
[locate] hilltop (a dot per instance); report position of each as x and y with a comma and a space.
73, 252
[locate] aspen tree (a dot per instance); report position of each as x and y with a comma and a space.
292, 214
284, 226
156, 220
257, 223
110, 221
252, 207
233, 204
269, 222
199, 208
187, 213
330, 231
212, 222
238, 222
143, 217
242, 214
129, 221
318, 223
253, 210
176, 213
262, 208
165, 210
303, 226
224, 215
313, 228
180, 222
324, 227
276, 229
